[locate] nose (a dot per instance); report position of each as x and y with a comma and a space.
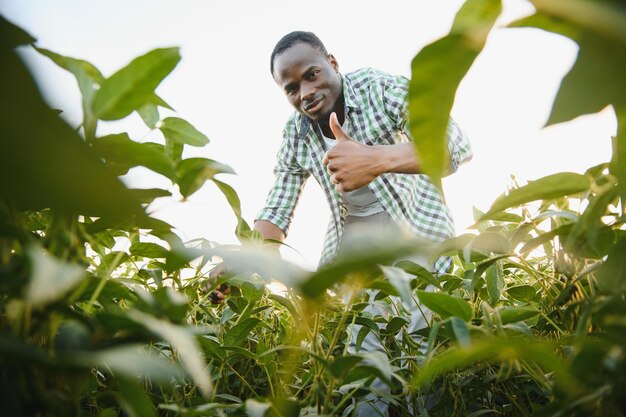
307, 91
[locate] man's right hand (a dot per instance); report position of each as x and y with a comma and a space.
217, 295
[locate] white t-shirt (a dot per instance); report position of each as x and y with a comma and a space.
360, 202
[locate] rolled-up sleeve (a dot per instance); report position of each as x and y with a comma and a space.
458, 146
283, 197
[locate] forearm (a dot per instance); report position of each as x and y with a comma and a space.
400, 158
269, 231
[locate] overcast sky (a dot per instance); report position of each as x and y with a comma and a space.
223, 86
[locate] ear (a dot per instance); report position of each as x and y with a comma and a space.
333, 62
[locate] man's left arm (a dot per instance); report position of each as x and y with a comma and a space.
353, 165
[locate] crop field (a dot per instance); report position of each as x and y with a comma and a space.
105, 310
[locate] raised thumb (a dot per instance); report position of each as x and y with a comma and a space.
336, 128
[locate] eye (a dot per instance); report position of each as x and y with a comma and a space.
313, 74
290, 89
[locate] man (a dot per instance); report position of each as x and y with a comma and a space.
349, 132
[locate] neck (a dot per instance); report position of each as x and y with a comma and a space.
324, 122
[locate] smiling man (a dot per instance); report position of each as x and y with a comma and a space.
349, 132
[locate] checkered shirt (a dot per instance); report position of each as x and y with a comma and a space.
375, 114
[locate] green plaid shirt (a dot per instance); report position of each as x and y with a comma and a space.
375, 114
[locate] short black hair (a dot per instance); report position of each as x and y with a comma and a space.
293, 38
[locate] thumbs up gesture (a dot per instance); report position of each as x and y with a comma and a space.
351, 164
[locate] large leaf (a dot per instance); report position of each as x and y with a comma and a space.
133, 86
612, 274
596, 79
181, 131
12, 36
122, 153
618, 160
552, 186
524, 293
148, 250
436, 72
446, 305
500, 350
134, 399
362, 253
184, 342
44, 163
239, 333
51, 278
128, 361
401, 281
513, 314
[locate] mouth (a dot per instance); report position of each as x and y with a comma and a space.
314, 105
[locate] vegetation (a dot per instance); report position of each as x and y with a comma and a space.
104, 312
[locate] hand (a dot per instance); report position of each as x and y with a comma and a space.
217, 295
351, 164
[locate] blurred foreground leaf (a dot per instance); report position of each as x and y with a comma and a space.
436, 72
44, 163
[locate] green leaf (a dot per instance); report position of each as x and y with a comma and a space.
552, 186
149, 113
147, 195
51, 278
379, 361
617, 166
122, 153
341, 365
400, 280
596, 79
87, 75
523, 293
285, 302
12, 36
194, 172
133, 86
419, 271
148, 250
446, 305
487, 243
133, 399
513, 314
460, 331
44, 163
181, 131
129, 361
362, 253
243, 229
395, 324
436, 72
612, 274
184, 342
500, 350
239, 333
495, 282
590, 237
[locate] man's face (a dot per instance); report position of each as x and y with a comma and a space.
309, 79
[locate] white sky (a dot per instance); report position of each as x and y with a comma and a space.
223, 87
